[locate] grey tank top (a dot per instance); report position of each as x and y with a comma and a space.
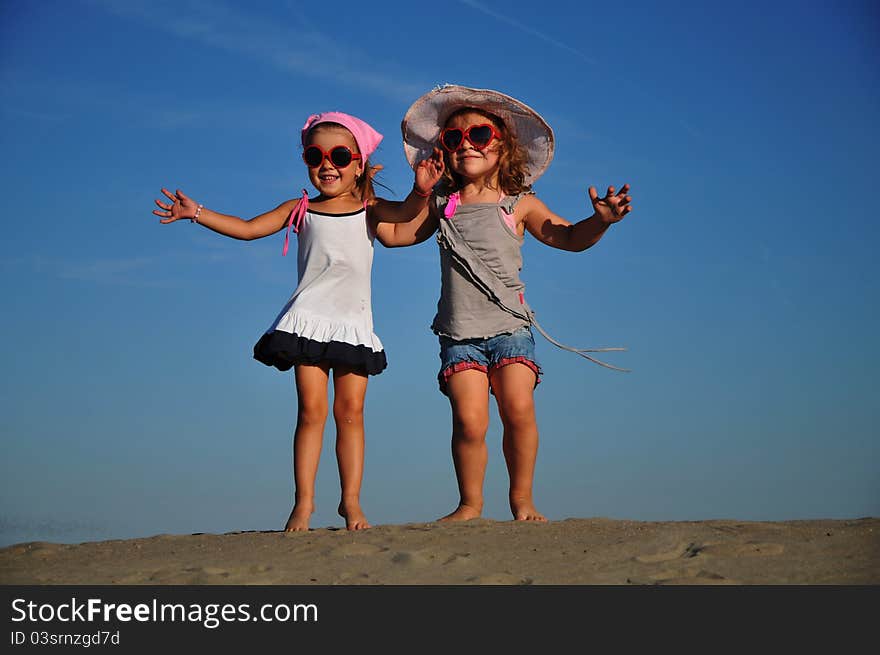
468, 307
480, 259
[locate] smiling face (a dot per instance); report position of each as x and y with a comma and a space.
467, 161
329, 180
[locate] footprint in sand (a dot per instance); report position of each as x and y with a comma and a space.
414, 558
429, 558
750, 549
714, 549
688, 555
457, 559
683, 550
356, 550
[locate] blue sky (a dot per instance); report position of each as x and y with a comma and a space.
744, 284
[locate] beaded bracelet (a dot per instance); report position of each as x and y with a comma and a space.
195, 219
420, 194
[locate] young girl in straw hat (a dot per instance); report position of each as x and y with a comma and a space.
493, 147
327, 324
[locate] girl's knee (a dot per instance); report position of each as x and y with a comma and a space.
470, 426
517, 410
311, 417
348, 410
312, 411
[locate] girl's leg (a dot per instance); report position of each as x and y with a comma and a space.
311, 392
469, 396
513, 386
349, 390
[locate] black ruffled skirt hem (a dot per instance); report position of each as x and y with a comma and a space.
284, 350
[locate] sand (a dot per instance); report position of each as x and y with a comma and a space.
594, 551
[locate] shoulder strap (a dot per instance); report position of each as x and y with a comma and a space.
451, 204
509, 203
296, 216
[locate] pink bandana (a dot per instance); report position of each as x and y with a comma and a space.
366, 137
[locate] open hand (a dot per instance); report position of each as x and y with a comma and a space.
181, 206
429, 171
614, 206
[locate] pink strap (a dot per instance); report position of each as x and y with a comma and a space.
454, 199
296, 216
508, 217
451, 205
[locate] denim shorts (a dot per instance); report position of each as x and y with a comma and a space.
487, 354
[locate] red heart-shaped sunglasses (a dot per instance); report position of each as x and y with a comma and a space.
479, 136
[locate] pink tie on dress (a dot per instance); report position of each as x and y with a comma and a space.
451, 205
296, 216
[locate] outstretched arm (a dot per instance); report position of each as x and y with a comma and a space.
427, 173
182, 206
557, 232
397, 235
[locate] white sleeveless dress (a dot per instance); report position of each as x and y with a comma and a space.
329, 317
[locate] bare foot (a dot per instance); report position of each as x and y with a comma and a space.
524, 510
462, 513
298, 520
354, 516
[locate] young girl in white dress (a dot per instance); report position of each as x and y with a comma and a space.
327, 325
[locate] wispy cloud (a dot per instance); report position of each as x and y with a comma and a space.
479, 6
103, 270
139, 272
527, 29
290, 46
133, 271
691, 129
24, 94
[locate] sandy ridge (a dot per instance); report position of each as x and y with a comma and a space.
573, 551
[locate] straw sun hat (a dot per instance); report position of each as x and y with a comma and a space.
426, 117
